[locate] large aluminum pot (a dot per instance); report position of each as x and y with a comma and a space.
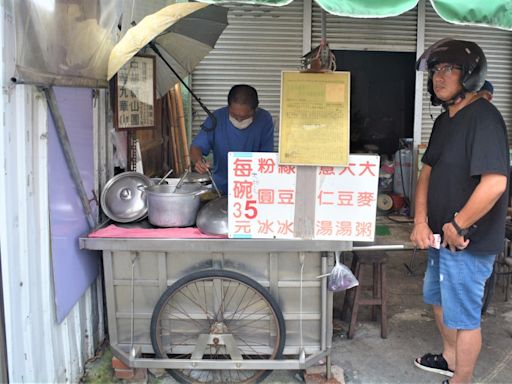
168, 207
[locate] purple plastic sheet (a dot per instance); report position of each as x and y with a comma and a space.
73, 269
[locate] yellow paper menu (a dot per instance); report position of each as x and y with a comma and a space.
314, 125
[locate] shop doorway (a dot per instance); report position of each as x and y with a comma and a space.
381, 98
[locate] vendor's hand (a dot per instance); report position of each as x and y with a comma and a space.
451, 238
202, 166
422, 235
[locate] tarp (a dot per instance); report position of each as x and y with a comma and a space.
62, 42
492, 13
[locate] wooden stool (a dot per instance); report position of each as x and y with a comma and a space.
354, 298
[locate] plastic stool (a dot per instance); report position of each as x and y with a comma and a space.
355, 299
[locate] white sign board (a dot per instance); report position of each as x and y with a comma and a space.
346, 200
262, 196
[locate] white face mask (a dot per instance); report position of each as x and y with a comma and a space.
240, 124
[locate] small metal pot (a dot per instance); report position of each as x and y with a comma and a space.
170, 208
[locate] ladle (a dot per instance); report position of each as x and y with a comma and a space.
181, 180
213, 182
165, 177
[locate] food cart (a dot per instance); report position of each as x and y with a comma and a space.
218, 309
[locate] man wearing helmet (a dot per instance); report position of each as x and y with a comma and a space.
460, 195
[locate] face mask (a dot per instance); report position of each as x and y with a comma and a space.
240, 124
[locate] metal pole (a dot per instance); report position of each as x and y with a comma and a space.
68, 153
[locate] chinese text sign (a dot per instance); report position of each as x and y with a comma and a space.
135, 91
262, 197
314, 118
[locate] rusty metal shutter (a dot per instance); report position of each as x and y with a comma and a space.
497, 45
259, 43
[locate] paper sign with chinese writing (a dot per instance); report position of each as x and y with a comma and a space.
135, 94
346, 200
314, 126
261, 196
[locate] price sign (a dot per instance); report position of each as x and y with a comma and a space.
346, 200
261, 196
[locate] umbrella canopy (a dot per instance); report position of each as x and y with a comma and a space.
184, 33
493, 13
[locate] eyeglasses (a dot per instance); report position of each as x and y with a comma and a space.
444, 69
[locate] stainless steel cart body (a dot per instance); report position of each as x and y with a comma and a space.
138, 271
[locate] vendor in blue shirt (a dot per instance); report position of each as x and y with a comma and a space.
240, 127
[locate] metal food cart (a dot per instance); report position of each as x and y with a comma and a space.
218, 309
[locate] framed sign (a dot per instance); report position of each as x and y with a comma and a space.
134, 94
314, 118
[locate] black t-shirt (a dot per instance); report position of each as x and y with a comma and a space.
461, 148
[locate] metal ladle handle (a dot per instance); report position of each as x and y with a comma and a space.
211, 178
165, 177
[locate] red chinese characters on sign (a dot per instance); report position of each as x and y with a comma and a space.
242, 167
265, 226
242, 189
266, 196
286, 170
243, 226
326, 198
286, 196
364, 229
266, 165
344, 228
285, 227
345, 198
326, 171
324, 227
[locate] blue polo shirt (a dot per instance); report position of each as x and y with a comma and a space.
257, 137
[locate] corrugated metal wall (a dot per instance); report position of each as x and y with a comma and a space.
258, 44
388, 34
497, 45
38, 349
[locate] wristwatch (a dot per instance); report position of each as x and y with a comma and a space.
460, 231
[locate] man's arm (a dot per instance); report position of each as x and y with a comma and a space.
196, 157
421, 234
483, 198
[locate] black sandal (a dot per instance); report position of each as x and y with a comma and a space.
433, 363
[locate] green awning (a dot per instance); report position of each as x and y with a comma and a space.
492, 13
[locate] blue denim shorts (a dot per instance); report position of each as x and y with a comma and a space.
455, 281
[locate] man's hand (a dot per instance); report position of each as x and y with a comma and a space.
202, 166
422, 235
451, 238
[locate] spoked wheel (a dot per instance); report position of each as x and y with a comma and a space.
217, 315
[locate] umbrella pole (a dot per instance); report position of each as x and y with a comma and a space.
212, 117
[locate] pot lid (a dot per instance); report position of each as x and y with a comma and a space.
212, 219
121, 198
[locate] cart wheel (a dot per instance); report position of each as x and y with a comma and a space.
217, 315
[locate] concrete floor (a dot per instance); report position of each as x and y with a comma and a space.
368, 358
